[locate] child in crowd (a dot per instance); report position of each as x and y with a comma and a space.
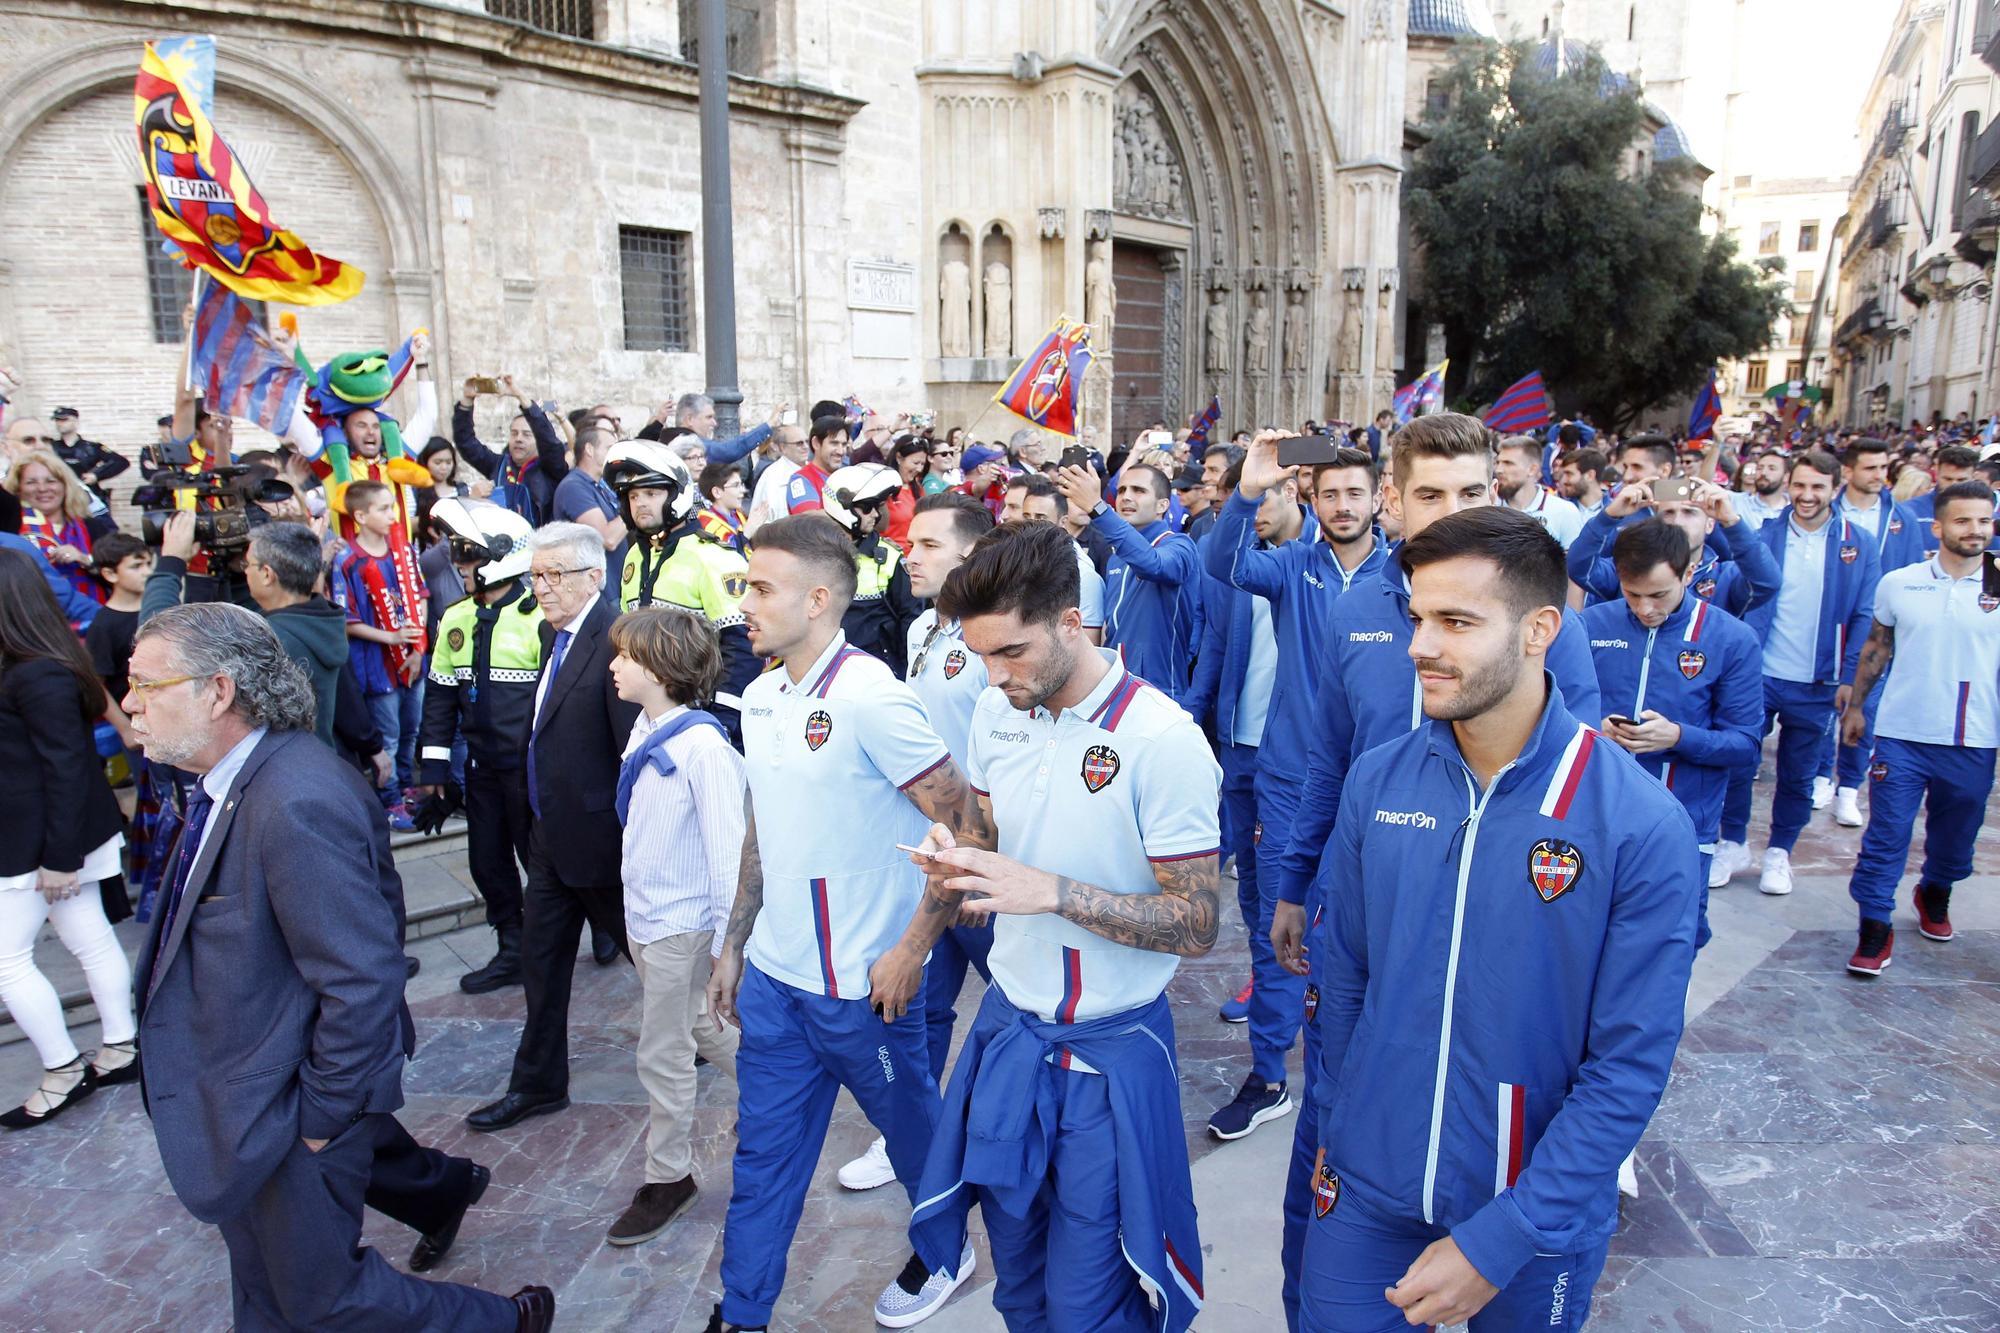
680, 798
122, 561
378, 584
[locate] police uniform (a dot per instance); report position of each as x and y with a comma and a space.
837, 896
696, 572
1936, 733
1100, 793
483, 673
879, 617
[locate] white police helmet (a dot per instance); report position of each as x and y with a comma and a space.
646, 464
858, 485
494, 536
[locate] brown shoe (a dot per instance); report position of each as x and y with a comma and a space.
652, 1208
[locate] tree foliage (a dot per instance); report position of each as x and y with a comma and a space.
1544, 250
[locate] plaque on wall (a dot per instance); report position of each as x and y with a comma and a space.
874, 284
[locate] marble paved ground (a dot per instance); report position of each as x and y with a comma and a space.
1827, 1157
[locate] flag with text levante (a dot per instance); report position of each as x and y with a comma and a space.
202, 198
1046, 388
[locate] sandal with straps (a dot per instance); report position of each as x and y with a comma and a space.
108, 1076
52, 1103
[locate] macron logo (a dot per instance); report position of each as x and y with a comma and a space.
1371, 636
1609, 643
1406, 819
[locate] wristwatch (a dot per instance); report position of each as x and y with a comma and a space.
1100, 509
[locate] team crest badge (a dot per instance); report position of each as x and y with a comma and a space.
1987, 601
1849, 554
1705, 589
1554, 867
1100, 765
1326, 1187
1691, 663
954, 662
1312, 1001
736, 585
1877, 771
455, 640
1895, 526
818, 727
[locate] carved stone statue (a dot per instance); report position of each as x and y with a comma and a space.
1100, 295
1257, 338
1295, 331
1215, 332
1385, 331
1146, 176
1347, 355
955, 309
999, 310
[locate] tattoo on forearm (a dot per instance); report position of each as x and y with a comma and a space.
1179, 919
749, 887
974, 826
1875, 655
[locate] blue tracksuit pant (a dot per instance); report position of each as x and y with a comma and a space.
1354, 1254
944, 978
1239, 829
1736, 804
1277, 1005
1851, 764
799, 1050
1802, 714
1952, 782
1305, 1135
1075, 1221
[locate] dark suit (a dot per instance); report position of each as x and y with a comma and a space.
575, 845
55, 806
274, 1014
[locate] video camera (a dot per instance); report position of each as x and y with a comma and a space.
226, 512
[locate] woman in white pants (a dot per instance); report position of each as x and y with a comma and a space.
60, 835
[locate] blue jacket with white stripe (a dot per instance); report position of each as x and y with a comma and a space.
1224, 656
1746, 579
1502, 980
1302, 580
1701, 669
1847, 595
1369, 695
1900, 536
1152, 600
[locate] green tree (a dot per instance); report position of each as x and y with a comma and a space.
1543, 248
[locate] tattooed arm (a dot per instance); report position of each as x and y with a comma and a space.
1179, 919
726, 975
947, 798
961, 817
1875, 655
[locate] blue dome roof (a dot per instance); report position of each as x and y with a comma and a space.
1573, 56
1670, 143
1451, 18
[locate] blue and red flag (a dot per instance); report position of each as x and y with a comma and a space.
856, 412
1045, 389
240, 371
201, 197
1522, 408
1203, 424
1707, 408
1420, 396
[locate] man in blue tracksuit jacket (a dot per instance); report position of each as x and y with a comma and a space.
1812, 633
1152, 585
1300, 581
1688, 672
1745, 578
1367, 694
1473, 1120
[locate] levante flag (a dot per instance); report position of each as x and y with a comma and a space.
1707, 408
1524, 407
201, 196
1203, 424
1420, 396
1045, 388
239, 370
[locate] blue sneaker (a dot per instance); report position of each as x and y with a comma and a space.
1237, 1010
400, 820
1255, 1103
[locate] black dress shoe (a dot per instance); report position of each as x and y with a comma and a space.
512, 1110
603, 947
715, 1325
534, 1310
411, 966
432, 1246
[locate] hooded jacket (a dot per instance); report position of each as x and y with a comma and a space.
314, 634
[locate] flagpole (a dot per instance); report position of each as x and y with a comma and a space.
187, 352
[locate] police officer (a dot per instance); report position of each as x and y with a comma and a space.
857, 498
672, 560
1939, 723
483, 674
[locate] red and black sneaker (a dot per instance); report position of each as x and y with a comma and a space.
1934, 911
1872, 954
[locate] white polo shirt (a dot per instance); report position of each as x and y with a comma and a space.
1561, 517
1098, 794
1089, 590
1791, 647
947, 676
828, 760
1943, 686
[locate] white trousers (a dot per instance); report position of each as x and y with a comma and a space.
29, 997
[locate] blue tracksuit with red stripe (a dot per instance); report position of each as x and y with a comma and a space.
1458, 1100
1152, 599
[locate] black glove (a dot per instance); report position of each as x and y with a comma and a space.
439, 806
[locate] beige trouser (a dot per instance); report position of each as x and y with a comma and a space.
674, 1025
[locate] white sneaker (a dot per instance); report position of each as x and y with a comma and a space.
1729, 858
1847, 808
1628, 1178
1822, 793
870, 1170
1777, 877
897, 1308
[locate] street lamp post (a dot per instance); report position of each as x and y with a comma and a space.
718, 249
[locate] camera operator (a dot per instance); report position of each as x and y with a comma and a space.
202, 548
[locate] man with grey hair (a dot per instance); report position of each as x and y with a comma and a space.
271, 989
282, 571
1028, 450
575, 742
696, 411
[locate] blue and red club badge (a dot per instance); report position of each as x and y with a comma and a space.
1691, 662
1849, 554
954, 662
1705, 589
818, 727
1326, 1186
1100, 765
1554, 867
1987, 601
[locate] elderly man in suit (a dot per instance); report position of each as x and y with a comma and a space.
271, 989
579, 731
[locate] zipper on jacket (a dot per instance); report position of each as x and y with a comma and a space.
1645, 669
1476, 806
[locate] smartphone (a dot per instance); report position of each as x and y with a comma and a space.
923, 420
1307, 450
483, 384
1672, 490
915, 851
1621, 720
789, 417
1159, 439
1076, 456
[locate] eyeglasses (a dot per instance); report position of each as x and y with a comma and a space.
549, 578
149, 686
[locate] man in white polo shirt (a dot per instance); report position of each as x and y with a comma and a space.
948, 679
842, 766
1093, 839
1939, 722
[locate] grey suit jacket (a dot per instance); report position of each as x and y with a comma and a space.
275, 1011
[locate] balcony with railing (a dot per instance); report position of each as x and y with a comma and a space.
1890, 131
1986, 32
1882, 221
1865, 320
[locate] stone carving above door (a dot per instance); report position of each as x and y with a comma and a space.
1146, 175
